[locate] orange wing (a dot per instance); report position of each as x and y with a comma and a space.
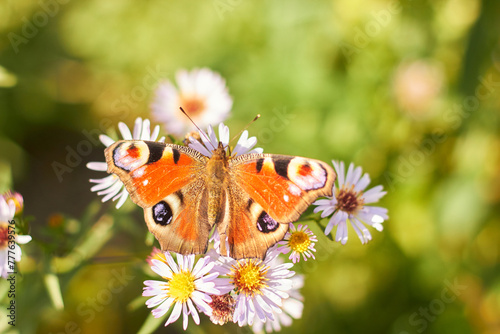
249, 229
152, 170
266, 193
284, 186
167, 181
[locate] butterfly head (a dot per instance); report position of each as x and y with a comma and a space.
220, 152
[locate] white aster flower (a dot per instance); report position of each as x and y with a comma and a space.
259, 285
243, 146
299, 241
111, 186
187, 287
349, 204
202, 94
292, 308
7, 213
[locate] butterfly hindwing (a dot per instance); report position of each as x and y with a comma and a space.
180, 221
249, 229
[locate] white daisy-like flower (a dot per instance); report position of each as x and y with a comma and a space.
187, 287
210, 142
202, 94
300, 241
349, 204
7, 213
110, 186
259, 285
292, 309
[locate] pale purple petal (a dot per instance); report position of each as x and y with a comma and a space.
374, 194
363, 183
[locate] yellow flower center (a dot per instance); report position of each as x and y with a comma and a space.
348, 200
249, 277
299, 241
181, 286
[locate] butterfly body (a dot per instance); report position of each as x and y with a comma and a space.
217, 181
250, 198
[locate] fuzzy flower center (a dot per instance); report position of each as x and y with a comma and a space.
348, 200
193, 105
4, 235
222, 309
181, 286
249, 277
299, 241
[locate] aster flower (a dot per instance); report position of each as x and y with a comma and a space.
202, 94
299, 241
187, 287
349, 204
111, 186
17, 198
292, 309
260, 286
7, 213
243, 146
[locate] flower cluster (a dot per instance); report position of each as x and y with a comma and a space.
263, 294
247, 292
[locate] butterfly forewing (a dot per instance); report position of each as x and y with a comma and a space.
284, 186
153, 170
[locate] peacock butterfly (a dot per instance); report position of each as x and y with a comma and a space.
251, 198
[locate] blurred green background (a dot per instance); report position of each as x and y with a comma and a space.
410, 90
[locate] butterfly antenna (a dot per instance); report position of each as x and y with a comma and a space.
202, 132
244, 128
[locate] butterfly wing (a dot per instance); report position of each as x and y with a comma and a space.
167, 181
267, 192
250, 231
